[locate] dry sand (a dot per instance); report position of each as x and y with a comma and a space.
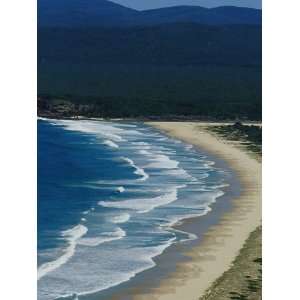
222, 243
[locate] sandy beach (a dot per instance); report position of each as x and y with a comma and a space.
223, 242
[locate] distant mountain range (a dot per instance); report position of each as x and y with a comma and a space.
153, 4
95, 13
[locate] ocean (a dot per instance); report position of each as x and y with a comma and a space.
108, 196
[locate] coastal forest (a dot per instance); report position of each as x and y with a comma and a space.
115, 62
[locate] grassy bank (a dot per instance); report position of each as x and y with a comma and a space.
247, 137
243, 279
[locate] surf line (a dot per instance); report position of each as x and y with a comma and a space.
138, 171
72, 236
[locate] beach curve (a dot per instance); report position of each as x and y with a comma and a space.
222, 243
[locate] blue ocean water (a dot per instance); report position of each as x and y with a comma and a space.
108, 195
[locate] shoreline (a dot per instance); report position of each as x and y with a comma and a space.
222, 242
206, 121
166, 262
178, 271
188, 271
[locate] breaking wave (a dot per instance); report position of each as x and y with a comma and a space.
72, 236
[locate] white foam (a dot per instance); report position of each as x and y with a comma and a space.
110, 144
72, 236
189, 147
209, 164
179, 172
138, 253
162, 139
143, 205
162, 162
219, 186
190, 236
138, 170
177, 141
141, 145
103, 129
144, 152
120, 189
126, 125
43, 119
202, 201
104, 238
123, 218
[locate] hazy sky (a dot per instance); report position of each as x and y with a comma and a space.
148, 4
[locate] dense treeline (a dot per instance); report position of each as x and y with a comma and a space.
170, 44
161, 71
145, 108
128, 91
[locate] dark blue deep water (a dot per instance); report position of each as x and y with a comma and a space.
108, 195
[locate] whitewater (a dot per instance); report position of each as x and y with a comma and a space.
109, 195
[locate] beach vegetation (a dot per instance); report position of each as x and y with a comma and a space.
243, 280
250, 136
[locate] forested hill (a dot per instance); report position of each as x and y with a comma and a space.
183, 61
78, 13
173, 44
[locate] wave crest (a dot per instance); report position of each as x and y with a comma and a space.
72, 235
104, 238
111, 144
138, 170
143, 205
